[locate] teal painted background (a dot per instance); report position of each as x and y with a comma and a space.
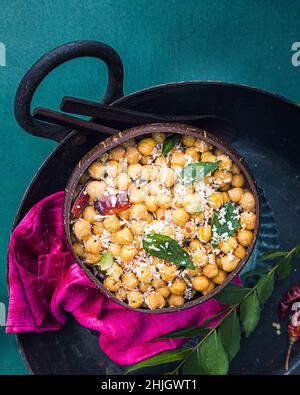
159, 41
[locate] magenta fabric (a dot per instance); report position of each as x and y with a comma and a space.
46, 283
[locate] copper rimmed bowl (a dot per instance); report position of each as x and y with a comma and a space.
143, 130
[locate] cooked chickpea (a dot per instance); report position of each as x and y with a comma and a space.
228, 245
204, 233
92, 258
164, 200
178, 286
200, 258
159, 137
161, 161
248, 220
177, 159
215, 200
160, 214
219, 278
124, 236
190, 203
208, 156
188, 141
158, 282
112, 168
175, 300
189, 230
114, 271
248, 201
96, 170
132, 155
137, 227
137, 196
244, 237
114, 249
134, 171
166, 177
195, 244
98, 228
225, 197
125, 214
209, 288
164, 291
138, 212
112, 224
123, 181
193, 153
229, 262
168, 230
151, 203
89, 214
210, 270
202, 146
128, 253
135, 299
235, 194
82, 229
222, 177
238, 180
93, 244
111, 284
194, 272
235, 169
155, 301
168, 272
129, 143
130, 281
200, 283
117, 153
180, 216
78, 249
145, 275
146, 146
226, 162
96, 189
121, 294
240, 252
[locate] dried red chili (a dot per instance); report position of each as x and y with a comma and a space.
290, 300
290, 297
79, 203
109, 205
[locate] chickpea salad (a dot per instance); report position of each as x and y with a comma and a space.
162, 220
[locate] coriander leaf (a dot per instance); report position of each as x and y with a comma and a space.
197, 170
210, 358
232, 294
265, 287
225, 222
284, 267
161, 358
272, 255
230, 334
164, 247
170, 142
250, 313
297, 249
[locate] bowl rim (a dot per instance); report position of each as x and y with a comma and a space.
119, 138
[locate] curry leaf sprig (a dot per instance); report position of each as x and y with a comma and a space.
219, 344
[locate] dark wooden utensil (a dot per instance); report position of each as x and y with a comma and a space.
215, 124
100, 110
58, 118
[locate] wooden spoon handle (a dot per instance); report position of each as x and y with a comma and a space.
100, 110
58, 118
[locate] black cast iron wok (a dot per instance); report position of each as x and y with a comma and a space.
268, 138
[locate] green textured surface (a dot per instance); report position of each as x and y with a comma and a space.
159, 41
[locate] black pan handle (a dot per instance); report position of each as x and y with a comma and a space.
53, 59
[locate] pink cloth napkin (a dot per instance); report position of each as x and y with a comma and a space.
46, 283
